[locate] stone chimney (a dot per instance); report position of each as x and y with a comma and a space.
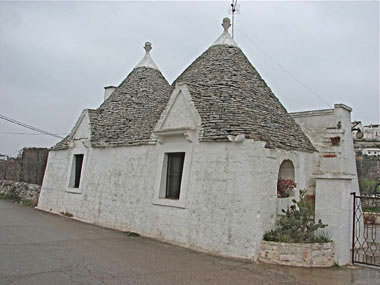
108, 90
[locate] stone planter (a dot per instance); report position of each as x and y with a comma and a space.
297, 254
283, 203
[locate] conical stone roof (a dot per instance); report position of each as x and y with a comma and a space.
227, 91
232, 99
129, 114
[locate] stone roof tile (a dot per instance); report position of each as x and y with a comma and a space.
232, 99
129, 115
227, 91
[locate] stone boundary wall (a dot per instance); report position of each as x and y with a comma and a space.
20, 192
9, 169
297, 254
28, 167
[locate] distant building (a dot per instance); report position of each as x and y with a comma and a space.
371, 132
371, 151
4, 157
366, 138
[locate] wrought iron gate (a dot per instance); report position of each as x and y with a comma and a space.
366, 229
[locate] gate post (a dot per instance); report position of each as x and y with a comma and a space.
353, 225
333, 207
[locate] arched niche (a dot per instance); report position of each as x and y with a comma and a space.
286, 170
285, 180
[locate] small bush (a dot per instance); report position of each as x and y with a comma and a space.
14, 197
67, 214
371, 209
324, 235
298, 224
29, 203
132, 234
367, 185
10, 196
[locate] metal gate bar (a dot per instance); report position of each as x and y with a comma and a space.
366, 229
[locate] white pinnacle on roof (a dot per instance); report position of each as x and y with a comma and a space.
147, 60
225, 38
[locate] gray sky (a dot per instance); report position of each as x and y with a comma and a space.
56, 57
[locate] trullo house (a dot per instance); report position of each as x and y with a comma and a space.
196, 163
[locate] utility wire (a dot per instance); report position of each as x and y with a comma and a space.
287, 71
27, 134
13, 121
233, 10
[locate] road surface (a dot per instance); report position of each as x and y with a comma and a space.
41, 248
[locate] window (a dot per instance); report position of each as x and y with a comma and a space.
174, 156
76, 170
174, 174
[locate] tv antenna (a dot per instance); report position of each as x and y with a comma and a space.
235, 8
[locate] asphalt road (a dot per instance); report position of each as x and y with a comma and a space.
42, 248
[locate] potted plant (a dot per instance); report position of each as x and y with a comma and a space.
298, 240
285, 187
285, 191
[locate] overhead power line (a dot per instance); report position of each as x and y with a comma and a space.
27, 134
234, 9
13, 121
287, 71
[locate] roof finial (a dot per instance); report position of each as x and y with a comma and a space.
225, 37
147, 60
226, 24
148, 47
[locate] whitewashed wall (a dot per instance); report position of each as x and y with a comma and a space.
230, 202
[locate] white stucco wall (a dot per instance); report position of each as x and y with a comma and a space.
230, 201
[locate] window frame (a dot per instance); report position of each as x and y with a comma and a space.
71, 171
170, 175
77, 170
173, 144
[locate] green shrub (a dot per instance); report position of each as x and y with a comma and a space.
14, 197
298, 224
29, 203
132, 234
10, 196
67, 214
367, 185
369, 209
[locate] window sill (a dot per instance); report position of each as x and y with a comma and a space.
73, 191
169, 203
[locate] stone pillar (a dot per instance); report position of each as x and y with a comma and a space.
336, 179
333, 204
